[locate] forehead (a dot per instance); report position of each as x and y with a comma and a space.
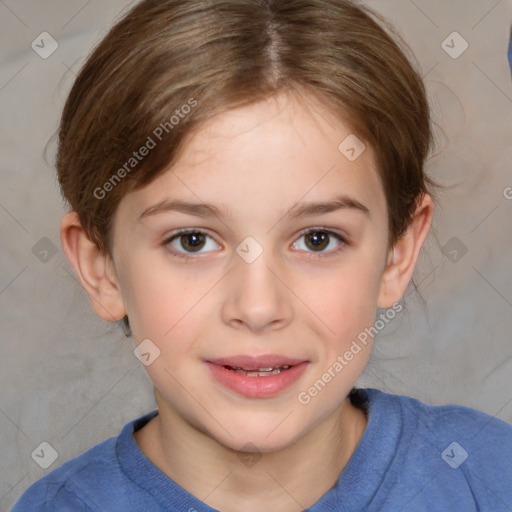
278, 151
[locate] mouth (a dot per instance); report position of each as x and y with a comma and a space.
257, 377
258, 372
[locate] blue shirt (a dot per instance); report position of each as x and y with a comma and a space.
411, 457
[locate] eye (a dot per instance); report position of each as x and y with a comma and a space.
185, 243
191, 241
320, 241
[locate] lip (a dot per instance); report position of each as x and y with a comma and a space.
257, 387
263, 361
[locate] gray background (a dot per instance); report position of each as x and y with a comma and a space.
71, 379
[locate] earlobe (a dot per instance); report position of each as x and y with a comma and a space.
404, 255
93, 268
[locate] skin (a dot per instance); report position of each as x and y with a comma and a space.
255, 164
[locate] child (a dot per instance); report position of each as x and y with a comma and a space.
246, 187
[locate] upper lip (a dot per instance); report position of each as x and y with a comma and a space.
248, 362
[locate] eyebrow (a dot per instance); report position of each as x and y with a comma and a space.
299, 210
340, 203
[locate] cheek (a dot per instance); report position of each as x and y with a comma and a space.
154, 301
167, 308
344, 302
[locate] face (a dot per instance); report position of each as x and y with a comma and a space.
252, 264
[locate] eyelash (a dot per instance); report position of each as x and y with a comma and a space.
324, 254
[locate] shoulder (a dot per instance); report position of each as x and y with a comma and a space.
443, 419
445, 453
64, 488
93, 481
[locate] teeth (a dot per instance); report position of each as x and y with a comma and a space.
259, 372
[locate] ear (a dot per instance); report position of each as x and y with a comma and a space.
404, 255
94, 269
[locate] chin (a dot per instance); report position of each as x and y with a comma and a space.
253, 433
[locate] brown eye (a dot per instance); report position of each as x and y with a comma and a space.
189, 242
317, 240
320, 241
192, 242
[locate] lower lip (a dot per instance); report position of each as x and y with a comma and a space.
257, 387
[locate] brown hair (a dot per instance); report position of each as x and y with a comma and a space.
168, 65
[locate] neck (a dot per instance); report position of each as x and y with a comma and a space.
290, 479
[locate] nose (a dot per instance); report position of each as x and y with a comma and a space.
257, 298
